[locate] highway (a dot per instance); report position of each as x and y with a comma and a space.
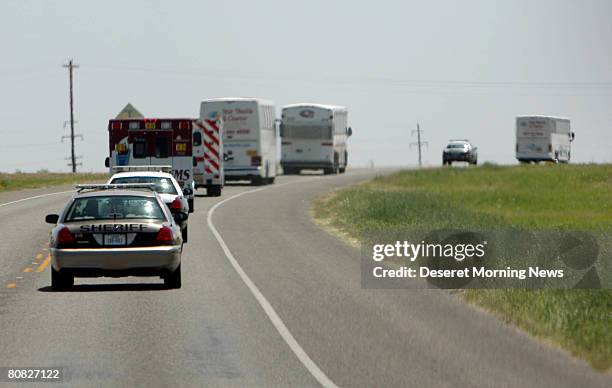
268, 299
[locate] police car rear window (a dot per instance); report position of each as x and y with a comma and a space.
114, 208
162, 185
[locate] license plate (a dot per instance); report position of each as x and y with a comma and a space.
115, 239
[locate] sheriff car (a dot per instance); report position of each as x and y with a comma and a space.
115, 230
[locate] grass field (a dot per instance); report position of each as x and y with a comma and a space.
19, 181
489, 197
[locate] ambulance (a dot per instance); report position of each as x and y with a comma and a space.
249, 137
155, 142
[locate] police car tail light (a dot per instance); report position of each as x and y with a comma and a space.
176, 204
64, 237
164, 236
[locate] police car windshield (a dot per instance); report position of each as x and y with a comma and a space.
113, 208
162, 185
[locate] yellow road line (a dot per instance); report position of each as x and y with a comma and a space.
28, 269
44, 264
11, 285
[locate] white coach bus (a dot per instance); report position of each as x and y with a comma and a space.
543, 138
249, 137
314, 137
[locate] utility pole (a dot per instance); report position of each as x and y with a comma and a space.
72, 136
419, 143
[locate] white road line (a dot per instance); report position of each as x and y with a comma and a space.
38, 196
278, 323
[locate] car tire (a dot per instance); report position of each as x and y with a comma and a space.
61, 281
173, 279
184, 233
213, 191
257, 181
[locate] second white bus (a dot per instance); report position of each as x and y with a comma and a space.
314, 137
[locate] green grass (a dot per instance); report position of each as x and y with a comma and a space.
19, 181
491, 197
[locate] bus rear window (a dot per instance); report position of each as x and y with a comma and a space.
307, 132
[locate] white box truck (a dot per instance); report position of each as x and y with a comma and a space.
543, 139
314, 137
249, 137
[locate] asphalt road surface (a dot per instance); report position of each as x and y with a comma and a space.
268, 299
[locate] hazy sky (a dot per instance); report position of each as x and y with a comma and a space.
459, 68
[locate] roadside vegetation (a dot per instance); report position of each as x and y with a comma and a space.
491, 197
21, 180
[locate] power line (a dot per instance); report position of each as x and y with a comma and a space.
29, 145
448, 83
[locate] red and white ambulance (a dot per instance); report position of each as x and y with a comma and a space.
155, 142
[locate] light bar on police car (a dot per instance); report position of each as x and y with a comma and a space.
102, 186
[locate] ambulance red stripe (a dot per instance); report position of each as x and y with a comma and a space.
214, 164
212, 149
